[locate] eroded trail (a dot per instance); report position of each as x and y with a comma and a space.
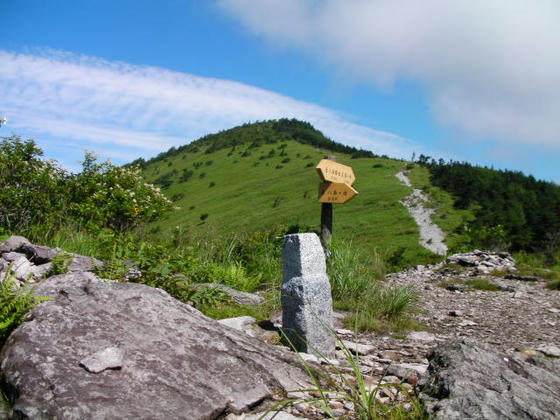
431, 236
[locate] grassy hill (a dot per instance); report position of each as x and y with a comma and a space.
260, 176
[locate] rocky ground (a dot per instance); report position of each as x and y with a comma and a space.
483, 354
521, 320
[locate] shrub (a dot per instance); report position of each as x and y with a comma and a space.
32, 190
186, 175
104, 195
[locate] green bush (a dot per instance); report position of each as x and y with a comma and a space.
36, 192
32, 190
105, 195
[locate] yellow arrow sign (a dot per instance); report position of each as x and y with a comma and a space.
332, 192
335, 172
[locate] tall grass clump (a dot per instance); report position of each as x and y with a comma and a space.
352, 271
349, 387
357, 286
385, 309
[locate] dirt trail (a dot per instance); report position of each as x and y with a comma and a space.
431, 236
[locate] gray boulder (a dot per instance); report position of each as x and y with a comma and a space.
13, 243
156, 357
468, 380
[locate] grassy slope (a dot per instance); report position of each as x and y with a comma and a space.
253, 194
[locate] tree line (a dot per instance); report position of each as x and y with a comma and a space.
523, 210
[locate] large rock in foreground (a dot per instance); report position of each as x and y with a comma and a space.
155, 357
467, 380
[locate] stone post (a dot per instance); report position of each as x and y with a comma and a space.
306, 295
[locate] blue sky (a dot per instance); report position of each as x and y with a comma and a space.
469, 80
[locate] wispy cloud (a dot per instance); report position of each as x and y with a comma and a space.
491, 69
142, 109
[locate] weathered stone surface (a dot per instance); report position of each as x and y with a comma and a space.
39, 254
355, 347
249, 326
40, 271
107, 358
403, 370
19, 265
13, 243
239, 297
306, 295
178, 363
468, 380
81, 264
549, 350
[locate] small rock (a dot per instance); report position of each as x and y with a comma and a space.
404, 370
336, 404
338, 412
354, 347
506, 288
421, 336
457, 287
343, 331
108, 358
467, 323
549, 350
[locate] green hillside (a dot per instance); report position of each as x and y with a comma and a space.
259, 176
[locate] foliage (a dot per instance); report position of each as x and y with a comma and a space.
32, 190
258, 134
105, 195
36, 192
15, 302
528, 210
60, 263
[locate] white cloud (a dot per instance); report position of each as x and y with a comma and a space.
490, 68
122, 106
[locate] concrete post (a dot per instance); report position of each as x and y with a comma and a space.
306, 295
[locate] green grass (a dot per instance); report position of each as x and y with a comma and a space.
553, 284
472, 284
383, 309
251, 198
535, 265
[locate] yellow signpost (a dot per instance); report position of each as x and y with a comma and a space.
332, 171
335, 188
336, 193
